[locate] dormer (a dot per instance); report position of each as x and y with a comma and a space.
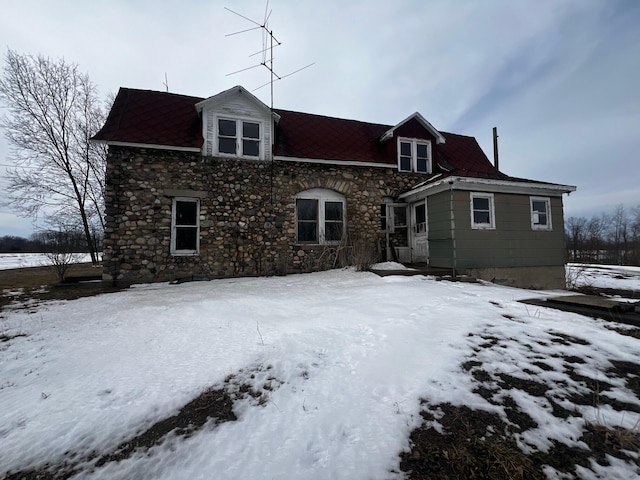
236, 124
415, 139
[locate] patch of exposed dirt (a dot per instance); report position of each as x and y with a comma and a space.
461, 443
24, 288
465, 444
212, 407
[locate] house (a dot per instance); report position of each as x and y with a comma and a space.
225, 186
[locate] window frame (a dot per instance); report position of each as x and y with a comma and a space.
537, 226
175, 225
414, 142
240, 138
322, 197
491, 225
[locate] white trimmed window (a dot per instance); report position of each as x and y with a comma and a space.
320, 217
414, 155
482, 211
185, 226
540, 213
239, 138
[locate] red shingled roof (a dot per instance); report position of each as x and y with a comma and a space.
303, 135
153, 118
166, 119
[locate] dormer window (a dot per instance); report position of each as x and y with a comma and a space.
240, 138
414, 155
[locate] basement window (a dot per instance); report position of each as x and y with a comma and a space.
482, 211
185, 226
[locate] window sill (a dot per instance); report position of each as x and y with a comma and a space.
483, 227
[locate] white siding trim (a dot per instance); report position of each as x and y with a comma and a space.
150, 145
349, 163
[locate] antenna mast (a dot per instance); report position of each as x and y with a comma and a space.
268, 39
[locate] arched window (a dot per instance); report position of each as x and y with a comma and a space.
320, 217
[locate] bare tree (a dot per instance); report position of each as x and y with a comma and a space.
619, 235
596, 226
576, 235
53, 112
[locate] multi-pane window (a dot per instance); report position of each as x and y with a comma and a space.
414, 155
320, 217
238, 137
482, 211
185, 226
540, 213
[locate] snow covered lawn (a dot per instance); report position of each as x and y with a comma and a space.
23, 260
328, 373
604, 276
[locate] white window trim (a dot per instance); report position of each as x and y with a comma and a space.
492, 211
183, 252
322, 195
534, 225
414, 154
239, 137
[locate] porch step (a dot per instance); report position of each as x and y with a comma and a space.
593, 306
421, 269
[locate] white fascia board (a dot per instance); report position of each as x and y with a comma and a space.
149, 145
389, 133
348, 163
486, 185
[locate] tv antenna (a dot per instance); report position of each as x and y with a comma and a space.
269, 42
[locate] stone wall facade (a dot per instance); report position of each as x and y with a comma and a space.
247, 213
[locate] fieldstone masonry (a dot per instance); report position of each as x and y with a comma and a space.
247, 213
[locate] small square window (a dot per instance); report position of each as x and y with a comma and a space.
540, 213
482, 211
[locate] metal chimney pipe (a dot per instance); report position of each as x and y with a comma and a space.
495, 148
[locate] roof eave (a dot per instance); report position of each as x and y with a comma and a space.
486, 185
148, 145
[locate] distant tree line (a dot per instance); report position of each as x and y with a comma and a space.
73, 241
609, 238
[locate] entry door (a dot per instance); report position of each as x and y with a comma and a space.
397, 223
419, 240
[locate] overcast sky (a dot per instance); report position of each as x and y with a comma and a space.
560, 79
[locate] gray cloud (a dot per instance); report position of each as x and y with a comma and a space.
559, 78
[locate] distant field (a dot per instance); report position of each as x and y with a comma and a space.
22, 260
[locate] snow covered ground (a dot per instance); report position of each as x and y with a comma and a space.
23, 260
604, 276
342, 358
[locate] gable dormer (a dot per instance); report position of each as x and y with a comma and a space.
236, 124
415, 143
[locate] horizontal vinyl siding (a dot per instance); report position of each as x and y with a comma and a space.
440, 242
513, 243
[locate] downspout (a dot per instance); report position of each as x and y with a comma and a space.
453, 230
